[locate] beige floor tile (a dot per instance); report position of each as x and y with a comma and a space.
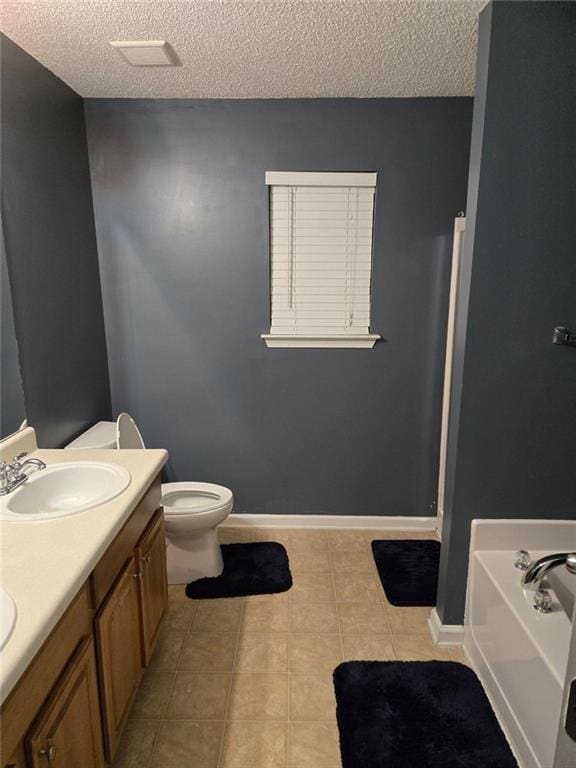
267, 615
314, 617
363, 619
260, 696
312, 697
349, 541
312, 588
179, 615
368, 648
262, 653
279, 535
359, 562
168, 649
185, 744
314, 653
199, 696
208, 652
308, 541
357, 588
254, 745
313, 745
218, 615
433, 535
136, 744
418, 648
275, 597
408, 621
456, 653
302, 561
154, 694
177, 593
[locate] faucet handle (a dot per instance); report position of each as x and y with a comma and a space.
543, 601
4, 473
523, 560
20, 456
571, 562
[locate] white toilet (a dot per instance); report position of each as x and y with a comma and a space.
192, 511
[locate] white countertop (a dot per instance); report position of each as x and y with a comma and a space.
44, 563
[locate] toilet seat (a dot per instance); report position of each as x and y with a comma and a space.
194, 498
192, 506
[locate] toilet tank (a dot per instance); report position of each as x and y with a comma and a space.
101, 435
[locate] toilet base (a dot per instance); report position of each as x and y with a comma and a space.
189, 558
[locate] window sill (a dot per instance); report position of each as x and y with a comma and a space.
361, 341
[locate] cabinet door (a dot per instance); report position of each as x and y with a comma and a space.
18, 759
119, 654
151, 557
68, 732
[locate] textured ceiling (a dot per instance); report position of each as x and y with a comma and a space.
268, 49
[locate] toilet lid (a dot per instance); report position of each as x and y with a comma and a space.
127, 433
193, 498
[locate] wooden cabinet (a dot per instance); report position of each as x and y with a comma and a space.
153, 586
18, 759
34, 687
118, 631
69, 708
67, 733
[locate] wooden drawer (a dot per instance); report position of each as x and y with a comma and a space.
122, 548
33, 688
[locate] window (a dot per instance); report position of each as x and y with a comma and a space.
321, 259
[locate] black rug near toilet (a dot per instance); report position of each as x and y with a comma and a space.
429, 714
408, 570
256, 568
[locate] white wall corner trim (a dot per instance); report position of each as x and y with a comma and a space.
361, 341
350, 522
444, 634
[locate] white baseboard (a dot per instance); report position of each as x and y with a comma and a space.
445, 634
351, 522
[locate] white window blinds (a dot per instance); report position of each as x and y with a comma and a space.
321, 258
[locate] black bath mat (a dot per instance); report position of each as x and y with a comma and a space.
256, 568
403, 714
408, 570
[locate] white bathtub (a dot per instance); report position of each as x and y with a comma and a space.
519, 654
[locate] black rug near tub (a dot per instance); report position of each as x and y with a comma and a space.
408, 570
256, 568
416, 714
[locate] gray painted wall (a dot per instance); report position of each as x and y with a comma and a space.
51, 250
181, 218
512, 446
12, 411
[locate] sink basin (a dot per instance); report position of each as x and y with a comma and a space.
7, 616
65, 489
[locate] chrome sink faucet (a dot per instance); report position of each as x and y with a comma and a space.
13, 475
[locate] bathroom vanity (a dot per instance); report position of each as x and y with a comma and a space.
90, 592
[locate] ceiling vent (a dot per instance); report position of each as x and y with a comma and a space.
147, 53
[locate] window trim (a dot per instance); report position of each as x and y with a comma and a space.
340, 341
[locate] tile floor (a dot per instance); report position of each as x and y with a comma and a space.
247, 682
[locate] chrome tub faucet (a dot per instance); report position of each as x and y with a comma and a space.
538, 570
